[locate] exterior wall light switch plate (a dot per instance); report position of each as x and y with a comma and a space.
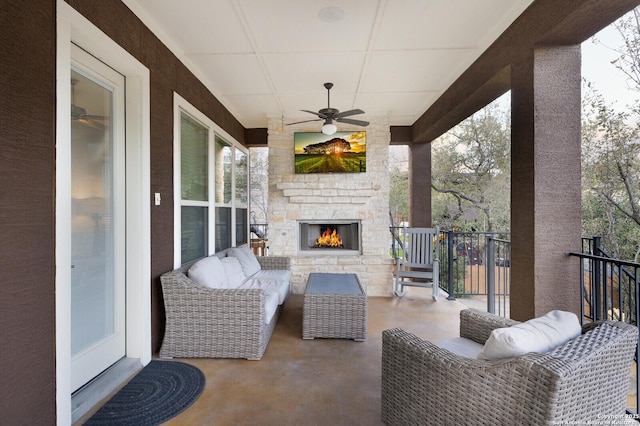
157, 198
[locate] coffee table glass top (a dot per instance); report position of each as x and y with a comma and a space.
327, 283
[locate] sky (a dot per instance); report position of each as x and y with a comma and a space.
597, 68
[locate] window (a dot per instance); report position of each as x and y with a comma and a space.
223, 170
241, 180
211, 173
194, 179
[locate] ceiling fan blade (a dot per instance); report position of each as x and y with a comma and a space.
314, 113
348, 113
351, 121
305, 121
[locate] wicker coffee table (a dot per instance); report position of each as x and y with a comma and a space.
334, 306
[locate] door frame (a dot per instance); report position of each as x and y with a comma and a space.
72, 27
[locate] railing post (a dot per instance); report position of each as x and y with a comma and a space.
450, 264
491, 276
583, 292
596, 281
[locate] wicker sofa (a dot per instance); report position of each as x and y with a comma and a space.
585, 379
206, 322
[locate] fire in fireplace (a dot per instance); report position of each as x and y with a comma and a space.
329, 236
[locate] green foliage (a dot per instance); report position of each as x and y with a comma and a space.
259, 184
471, 174
399, 183
611, 156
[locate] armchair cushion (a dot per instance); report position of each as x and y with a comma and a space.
539, 335
462, 347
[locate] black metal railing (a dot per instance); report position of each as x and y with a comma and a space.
498, 275
477, 265
473, 265
609, 286
610, 290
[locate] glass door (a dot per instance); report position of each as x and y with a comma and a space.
97, 221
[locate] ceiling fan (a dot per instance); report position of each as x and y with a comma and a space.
329, 115
79, 113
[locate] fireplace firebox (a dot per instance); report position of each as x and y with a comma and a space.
329, 237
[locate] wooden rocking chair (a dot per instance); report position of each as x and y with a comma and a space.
418, 265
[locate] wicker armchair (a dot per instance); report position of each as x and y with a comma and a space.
584, 380
216, 323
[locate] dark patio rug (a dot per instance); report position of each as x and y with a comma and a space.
160, 391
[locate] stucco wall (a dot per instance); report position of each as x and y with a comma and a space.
27, 221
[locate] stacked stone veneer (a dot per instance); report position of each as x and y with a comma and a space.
363, 196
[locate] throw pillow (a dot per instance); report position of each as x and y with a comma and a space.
248, 261
233, 271
539, 335
208, 272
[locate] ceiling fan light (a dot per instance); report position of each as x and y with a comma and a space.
329, 128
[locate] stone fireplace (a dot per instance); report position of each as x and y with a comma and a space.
329, 237
302, 207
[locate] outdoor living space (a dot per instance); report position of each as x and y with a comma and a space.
320, 381
126, 151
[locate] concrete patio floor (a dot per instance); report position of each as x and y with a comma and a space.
315, 382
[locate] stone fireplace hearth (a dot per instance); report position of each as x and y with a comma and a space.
357, 202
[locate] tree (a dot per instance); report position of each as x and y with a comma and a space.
399, 183
471, 172
629, 53
611, 155
259, 182
611, 176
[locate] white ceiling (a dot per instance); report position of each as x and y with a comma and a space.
270, 58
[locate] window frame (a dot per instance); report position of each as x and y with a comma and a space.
215, 132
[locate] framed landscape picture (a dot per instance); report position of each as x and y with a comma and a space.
342, 152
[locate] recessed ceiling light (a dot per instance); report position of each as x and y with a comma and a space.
331, 14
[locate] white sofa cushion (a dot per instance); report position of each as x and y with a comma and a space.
267, 276
270, 305
280, 288
248, 261
462, 347
539, 335
208, 272
274, 274
233, 271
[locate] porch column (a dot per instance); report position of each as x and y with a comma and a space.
420, 185
545, 186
